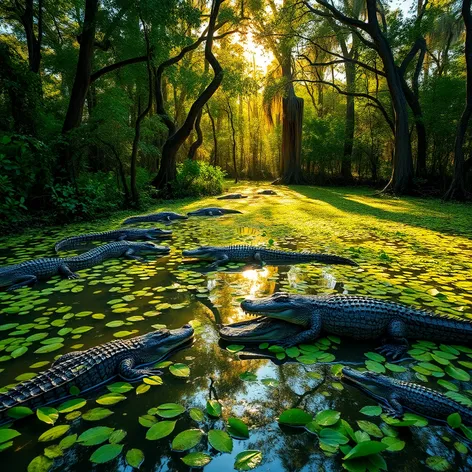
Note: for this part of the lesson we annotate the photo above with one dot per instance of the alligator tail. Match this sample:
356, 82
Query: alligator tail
332, 259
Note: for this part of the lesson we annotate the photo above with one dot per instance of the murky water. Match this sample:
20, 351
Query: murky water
172, 292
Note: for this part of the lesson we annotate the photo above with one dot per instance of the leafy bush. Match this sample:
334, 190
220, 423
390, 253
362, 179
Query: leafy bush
20, 173
197, 179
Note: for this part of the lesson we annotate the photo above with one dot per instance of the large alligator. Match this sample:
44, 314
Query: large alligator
356, 317
212, 211
89, 369
398, 396
129, 234
232, 196
161, 217
260, 255
28, 273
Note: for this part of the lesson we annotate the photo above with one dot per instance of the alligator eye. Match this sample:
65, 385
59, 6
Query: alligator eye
280, 296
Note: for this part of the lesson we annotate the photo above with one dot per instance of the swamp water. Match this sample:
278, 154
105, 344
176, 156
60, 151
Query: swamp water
120, 298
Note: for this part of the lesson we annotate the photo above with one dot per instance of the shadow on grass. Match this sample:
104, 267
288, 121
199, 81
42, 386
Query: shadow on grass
433, 214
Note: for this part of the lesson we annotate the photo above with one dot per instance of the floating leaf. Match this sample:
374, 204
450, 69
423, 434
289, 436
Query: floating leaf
117, 436
94, 436
438, 463
295, 417
40, 464
370, 428
248, 376
327, 417
49, 348
8, 434
213, 408
106, 453
394, 444
220, 440
160, 430
147, 420
47, 415
247, 460
457, 373
97, 414
196, 414
153, 380
18, 412
134, 458
365, 448
110, 399
333, 437
235, 348
187, 439
71, 405
120, 387
143, 388
371, 410
68, 441
170, 410
54, 433
237, 428
180, 370
454, 420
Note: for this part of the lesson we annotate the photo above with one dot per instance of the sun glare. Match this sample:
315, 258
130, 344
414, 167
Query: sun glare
255, 53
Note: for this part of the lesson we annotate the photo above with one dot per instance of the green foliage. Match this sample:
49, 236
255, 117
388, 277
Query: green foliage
197, 178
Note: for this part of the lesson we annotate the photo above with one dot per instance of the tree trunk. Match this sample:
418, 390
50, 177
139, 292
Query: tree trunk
346, 164
84, 68
233, 135
214, 161
33, 43
168, 170
401, 180
457, 189
199, 141
292, 121
139, 120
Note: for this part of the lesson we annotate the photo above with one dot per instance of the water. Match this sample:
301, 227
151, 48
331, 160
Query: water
172, 292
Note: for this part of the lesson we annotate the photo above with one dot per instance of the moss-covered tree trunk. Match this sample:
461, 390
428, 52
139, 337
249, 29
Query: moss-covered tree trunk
292, 122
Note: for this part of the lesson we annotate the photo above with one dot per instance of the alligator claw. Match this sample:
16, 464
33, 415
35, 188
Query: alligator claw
73, 276
394, 351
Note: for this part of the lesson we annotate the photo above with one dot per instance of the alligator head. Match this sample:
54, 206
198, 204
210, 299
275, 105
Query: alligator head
282, 316
203, 252
157, 233
152, 347
376, 385
148, 247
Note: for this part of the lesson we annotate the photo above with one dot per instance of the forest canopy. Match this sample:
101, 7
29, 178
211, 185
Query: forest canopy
107, 105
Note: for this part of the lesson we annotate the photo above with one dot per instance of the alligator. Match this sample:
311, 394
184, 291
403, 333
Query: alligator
357, 317
260, 255
28, 273
129, 234
232, 196
212, 211
267, 192
161, 217
397, 396
86, 370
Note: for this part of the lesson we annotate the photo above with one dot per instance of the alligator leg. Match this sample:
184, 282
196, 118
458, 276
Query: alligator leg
23, 281
130, 255
122, 237
394, 408
309, 334
66, 357
129, 373
66, 272
224, 259
396, 330
258, 258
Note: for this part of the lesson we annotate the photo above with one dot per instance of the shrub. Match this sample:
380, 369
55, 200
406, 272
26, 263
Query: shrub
197, 179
